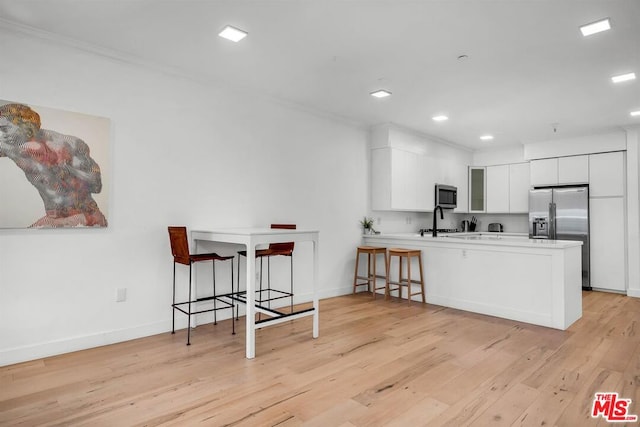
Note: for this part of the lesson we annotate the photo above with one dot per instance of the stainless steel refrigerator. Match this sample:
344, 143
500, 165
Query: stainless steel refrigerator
562, 213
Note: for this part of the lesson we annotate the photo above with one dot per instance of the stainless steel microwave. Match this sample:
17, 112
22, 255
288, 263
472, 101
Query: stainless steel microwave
446, 196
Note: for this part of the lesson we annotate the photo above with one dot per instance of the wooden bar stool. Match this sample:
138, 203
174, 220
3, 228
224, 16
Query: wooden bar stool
370, 279
403, 254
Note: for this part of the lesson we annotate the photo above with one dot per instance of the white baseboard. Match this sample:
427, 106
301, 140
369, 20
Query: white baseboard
68, 345
633, 293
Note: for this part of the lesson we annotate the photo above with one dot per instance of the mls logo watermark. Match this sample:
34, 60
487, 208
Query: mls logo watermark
612, 408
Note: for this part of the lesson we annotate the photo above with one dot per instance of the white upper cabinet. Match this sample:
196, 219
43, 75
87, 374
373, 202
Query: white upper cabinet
497, 189
606, 174
544, 172
428, 175
560, 171
406, 167
477, 189
381, 179
519, 187
394, 181
573, 170
460, 180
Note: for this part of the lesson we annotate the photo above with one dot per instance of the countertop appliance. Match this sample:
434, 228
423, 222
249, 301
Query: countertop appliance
446, 196
495, 227
562, 213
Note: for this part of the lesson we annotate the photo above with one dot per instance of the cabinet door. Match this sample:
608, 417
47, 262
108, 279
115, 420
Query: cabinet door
544, 172
404, 166
606, 174
519, 187
497, 189
606, 224
573, 170
429, 173
381, 179
477, 189
461, 181
425, 188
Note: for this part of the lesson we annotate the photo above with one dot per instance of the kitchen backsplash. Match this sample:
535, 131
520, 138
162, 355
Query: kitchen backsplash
405, 222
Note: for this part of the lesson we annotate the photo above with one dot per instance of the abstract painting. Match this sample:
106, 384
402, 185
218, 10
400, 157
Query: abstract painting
53, 167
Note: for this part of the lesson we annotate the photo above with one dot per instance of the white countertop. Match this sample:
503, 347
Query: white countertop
479, 238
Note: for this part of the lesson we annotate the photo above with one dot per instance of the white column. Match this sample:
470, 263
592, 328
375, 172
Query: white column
633, 211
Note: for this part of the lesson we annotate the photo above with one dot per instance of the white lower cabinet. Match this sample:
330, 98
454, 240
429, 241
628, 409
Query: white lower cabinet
607, 246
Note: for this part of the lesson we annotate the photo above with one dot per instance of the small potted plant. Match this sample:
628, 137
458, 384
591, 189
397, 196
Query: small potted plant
367, 225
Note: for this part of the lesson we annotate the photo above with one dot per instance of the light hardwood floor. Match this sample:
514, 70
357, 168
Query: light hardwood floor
376, 363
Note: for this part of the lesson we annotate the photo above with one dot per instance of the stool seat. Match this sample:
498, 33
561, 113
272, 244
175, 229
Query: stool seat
408, 282
370, 280
404, 252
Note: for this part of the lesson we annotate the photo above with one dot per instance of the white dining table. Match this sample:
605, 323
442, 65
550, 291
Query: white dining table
251, 238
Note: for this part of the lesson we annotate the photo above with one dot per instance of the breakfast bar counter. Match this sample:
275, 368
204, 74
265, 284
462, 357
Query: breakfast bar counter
508, 276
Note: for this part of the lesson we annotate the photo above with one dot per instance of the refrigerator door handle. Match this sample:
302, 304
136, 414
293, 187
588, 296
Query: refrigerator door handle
552, 221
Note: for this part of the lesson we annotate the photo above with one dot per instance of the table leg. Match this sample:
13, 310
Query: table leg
251, 301
316, 305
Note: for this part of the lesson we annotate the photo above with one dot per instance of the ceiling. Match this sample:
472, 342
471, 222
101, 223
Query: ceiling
528, 66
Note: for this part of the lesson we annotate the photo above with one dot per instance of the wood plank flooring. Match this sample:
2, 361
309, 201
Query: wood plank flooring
376, 363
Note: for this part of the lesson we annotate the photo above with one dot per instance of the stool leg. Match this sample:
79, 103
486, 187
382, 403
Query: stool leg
173, 306
421, 279
233, 301
409, 279
373, 276
268, 281
355, 274
189, 311
369, 272
215, 317
400, 277
291, 283
387, 262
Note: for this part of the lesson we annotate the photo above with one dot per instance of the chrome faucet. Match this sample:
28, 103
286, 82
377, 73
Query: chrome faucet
435, 220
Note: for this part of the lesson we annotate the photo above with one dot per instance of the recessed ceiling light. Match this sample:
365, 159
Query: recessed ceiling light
232, 33
595, 27
440, 118
623, 77
380, 93
486, 137
635, 113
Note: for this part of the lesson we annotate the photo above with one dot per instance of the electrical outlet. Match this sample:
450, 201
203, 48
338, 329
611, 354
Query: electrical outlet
121, 294
379, 220
464, 253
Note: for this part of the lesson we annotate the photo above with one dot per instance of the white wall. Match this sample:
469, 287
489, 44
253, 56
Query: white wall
182, 153
499, 156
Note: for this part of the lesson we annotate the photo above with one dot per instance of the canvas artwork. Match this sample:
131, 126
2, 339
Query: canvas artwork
53, 167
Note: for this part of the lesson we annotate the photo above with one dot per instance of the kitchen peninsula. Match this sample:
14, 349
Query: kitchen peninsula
499, 274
